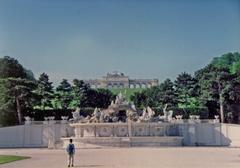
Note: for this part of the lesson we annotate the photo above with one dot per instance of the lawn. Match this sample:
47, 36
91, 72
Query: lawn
8, 159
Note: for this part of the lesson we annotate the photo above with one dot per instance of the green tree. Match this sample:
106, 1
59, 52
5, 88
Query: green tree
17, 95
104, 98
186, 90
215, 84
63, 94
10, 67
167, 93
16, 84
226, 61
45, 91
8, 115
78, 93
139, 99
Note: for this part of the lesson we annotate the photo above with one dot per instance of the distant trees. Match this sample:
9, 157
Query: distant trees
215, 87
156, 96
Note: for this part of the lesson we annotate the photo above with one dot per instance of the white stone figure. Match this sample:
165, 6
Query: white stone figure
133, 107
64, 119
97, 113
45, 120
179, 117
51, 120
167, 114
119, 98
76, 116
27, 120
96, 116
147, 114
151, 113
101, 118
169, 117
144, 114
216, 120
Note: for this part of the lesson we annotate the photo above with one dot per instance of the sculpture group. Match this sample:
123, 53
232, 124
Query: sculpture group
121, 110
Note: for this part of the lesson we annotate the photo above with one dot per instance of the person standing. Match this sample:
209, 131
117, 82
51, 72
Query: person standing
71, 151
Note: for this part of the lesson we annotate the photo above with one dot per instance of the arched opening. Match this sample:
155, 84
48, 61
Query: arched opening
143, 85
137, 85
110, 85
115, 85
121, 85
131, 86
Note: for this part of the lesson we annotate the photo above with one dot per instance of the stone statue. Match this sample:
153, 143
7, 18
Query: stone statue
102, 117
77, 117
95, 116
133, 107
120, 99
147, 115
167, 114
151, 113
76, 114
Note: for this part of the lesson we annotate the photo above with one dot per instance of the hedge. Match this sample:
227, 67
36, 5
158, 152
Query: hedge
39, 115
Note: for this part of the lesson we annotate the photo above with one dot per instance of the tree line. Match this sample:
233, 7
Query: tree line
21, 93
214, 88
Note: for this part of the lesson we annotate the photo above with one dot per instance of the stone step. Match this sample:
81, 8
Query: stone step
101, 142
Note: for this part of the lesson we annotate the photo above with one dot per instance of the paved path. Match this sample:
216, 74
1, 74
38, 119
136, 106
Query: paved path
185, 157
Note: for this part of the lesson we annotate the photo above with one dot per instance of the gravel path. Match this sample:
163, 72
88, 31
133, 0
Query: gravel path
181, 157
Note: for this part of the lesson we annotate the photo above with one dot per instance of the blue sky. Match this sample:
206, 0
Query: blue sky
143, 38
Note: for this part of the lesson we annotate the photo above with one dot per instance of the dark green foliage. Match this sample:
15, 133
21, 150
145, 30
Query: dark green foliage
167, 93
63, 96
44, 91
16, 96
186, 90
39, 114
139, 99
226, 60
103, 98
213, 90
219, 84
8, 114
16, 86
10, 67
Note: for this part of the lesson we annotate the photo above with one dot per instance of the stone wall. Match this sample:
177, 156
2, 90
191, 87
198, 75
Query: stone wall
194, 134
34, 135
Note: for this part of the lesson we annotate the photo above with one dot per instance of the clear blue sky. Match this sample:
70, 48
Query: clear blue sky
143, 38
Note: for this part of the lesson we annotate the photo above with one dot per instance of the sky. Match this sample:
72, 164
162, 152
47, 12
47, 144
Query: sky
85, 39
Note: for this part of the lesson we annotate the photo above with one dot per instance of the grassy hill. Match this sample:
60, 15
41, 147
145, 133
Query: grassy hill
127, 92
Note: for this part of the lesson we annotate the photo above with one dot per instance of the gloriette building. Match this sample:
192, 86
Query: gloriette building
119, 80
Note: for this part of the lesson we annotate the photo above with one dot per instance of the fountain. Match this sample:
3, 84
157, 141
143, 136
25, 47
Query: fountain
121, 125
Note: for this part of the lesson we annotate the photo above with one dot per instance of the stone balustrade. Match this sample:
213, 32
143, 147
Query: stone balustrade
130, 129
